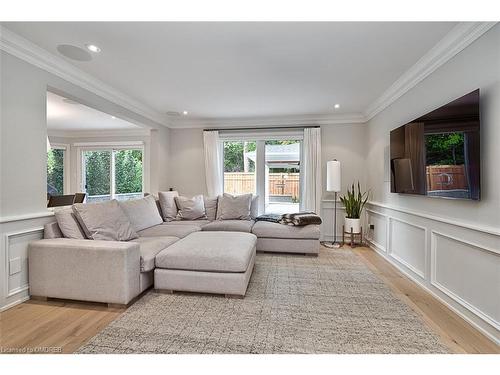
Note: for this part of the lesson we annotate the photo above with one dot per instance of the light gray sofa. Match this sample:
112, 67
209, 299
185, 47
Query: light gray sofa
116, 272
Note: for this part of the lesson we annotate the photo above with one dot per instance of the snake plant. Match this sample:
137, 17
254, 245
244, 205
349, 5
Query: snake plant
354, 202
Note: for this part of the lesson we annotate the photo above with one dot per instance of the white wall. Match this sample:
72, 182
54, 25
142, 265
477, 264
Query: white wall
23, 131
451, 247
187, 161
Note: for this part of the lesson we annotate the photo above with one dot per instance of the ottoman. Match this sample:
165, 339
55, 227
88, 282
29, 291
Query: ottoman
207, 262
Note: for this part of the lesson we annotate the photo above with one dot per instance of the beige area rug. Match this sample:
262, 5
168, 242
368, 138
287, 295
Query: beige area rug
294, 304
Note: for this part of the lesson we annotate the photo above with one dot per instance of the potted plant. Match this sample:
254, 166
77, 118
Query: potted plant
353, 203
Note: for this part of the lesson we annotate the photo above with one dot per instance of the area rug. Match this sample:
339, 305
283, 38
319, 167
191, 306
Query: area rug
294, 304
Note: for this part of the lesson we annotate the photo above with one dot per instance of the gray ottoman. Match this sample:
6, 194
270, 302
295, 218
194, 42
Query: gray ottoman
207, 262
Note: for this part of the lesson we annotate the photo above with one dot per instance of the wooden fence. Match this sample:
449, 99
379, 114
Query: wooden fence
446, 177
280, 184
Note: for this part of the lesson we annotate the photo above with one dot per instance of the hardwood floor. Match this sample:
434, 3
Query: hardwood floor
52, 326
63, 326
458, 334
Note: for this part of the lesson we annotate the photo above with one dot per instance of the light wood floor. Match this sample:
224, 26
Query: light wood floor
63, 326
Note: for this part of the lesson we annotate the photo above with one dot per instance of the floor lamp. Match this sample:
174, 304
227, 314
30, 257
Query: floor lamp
333, 183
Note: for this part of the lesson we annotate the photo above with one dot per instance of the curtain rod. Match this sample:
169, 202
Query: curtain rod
263, 128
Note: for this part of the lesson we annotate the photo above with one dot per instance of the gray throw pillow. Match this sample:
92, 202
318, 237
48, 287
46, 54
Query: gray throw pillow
234, 207
211, 207
190, 208
142, 213
167, 204
104, 221
254, 207
70, 228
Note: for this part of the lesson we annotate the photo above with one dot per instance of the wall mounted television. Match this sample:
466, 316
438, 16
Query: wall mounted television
438, 154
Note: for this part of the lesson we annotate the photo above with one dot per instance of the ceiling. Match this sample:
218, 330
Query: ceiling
239, 70
75, 117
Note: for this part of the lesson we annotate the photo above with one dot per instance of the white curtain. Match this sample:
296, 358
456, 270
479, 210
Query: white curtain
213, 163
311, 171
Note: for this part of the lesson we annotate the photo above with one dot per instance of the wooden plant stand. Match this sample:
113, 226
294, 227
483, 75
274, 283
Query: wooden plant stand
353, 243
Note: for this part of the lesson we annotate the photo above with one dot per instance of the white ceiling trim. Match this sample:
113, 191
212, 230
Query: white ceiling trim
299, 120
22, 48
99, 133
459, 38
455, 41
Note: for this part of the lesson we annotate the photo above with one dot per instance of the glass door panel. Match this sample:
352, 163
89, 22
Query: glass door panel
128, 174
282, 175
239, 167
97, 175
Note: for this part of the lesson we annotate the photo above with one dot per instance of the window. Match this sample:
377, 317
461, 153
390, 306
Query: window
115, 173
56, 173
277, 179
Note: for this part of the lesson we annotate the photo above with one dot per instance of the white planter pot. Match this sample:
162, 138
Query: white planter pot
355, 224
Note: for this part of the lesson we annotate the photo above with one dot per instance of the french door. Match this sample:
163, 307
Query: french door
269, 168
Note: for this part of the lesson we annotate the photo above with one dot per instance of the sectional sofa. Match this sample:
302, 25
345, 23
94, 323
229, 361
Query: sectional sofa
209, 255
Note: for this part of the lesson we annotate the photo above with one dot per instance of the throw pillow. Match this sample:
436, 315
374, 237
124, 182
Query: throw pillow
190, 208
70, 228
142, 213
167, 204
254, 207
211, 207
234, 207
104, 221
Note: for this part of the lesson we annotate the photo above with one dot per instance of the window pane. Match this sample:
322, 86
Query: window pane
55, 172
282, 176
239, 167
97, 169
128, 174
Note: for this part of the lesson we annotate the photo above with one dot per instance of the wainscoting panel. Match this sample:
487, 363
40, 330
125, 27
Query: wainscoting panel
462, 270
16, 244
456, 262
407, 245
378, 235
16, 235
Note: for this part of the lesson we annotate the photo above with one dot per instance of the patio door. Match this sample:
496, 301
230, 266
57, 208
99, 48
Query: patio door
267, 167
112, 173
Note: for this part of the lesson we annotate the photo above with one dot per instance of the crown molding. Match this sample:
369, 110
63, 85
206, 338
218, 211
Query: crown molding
23, 49
241, 122
99, 133
459, 38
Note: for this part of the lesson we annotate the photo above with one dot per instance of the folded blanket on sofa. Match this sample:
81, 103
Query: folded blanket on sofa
272, 218
300, 219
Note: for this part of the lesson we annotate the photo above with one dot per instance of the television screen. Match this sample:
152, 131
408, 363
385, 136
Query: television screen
438, 154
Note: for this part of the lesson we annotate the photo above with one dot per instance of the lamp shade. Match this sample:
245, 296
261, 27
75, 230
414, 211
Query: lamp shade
333, 176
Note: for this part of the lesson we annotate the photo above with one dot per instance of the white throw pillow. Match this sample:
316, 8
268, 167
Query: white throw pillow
104, 221
190, 208
167, 204
142, 213
234, 207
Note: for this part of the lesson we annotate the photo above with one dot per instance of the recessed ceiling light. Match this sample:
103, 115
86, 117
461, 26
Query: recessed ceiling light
336, 106
74, 52
93, 48
184, 112
113, 117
